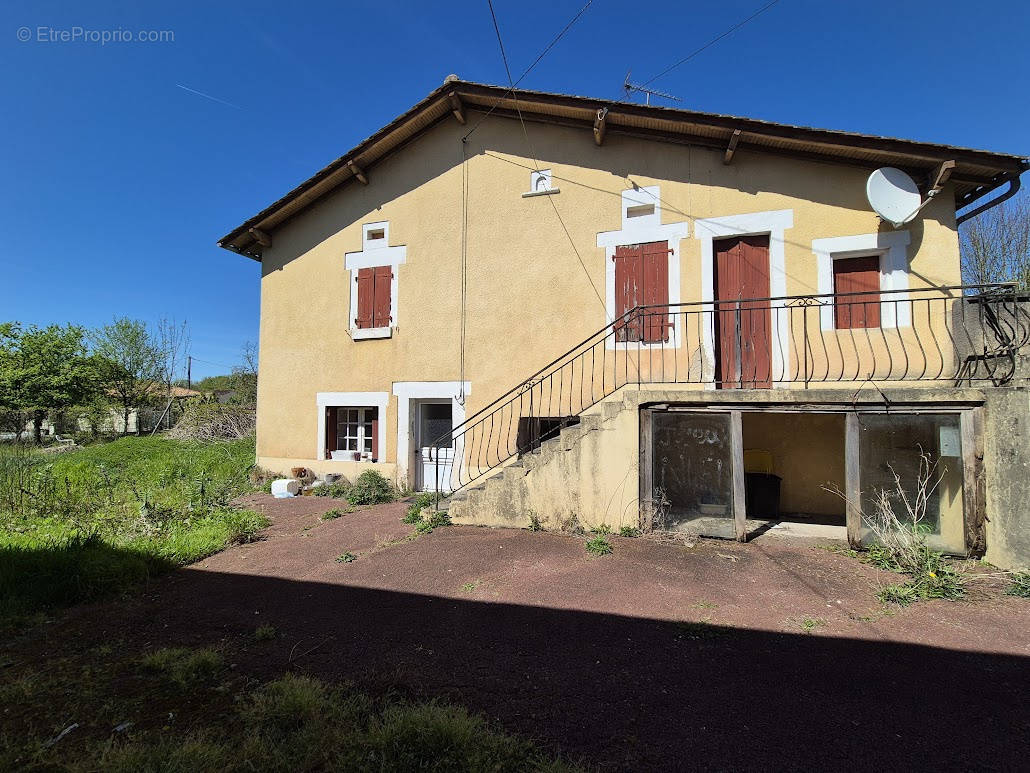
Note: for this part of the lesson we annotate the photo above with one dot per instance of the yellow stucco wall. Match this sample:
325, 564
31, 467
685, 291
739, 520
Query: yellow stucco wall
530, 296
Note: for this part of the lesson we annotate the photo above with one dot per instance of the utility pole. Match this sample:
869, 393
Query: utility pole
189, 371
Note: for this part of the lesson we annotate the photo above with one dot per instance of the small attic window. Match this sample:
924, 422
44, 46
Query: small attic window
640, 210
376, 233
540, 183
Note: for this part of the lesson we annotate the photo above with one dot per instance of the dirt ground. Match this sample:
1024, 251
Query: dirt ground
718, 656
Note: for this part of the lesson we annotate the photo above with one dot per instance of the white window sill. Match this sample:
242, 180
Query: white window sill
360, 334
550, 192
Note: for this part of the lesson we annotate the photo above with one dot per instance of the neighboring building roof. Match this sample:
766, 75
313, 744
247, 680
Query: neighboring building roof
976, 172
158, 390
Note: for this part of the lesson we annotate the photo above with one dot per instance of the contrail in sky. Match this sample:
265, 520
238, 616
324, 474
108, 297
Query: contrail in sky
208, 96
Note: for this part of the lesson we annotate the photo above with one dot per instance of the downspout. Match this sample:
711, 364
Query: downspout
1014, 185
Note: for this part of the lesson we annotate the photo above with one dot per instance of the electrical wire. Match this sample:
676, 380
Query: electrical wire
711, 42
536, 163
526, 72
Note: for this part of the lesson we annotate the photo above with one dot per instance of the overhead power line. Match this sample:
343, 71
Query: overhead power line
711, 42
529, 69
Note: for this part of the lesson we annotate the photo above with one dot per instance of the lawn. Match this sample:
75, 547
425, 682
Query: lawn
96, 521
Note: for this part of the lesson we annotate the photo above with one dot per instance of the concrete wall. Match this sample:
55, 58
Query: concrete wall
1007, 470
530, 297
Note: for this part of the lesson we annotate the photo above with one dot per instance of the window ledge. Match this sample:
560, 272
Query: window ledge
550, 192
360, 334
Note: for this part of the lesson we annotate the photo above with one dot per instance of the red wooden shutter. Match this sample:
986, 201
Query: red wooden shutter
375, 433
365, 297
857, 275
330, 432
656, 290
381, 297
628, 295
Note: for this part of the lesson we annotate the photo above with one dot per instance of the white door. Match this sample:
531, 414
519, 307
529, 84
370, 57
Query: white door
432, 421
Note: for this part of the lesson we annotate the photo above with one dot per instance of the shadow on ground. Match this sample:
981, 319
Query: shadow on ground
613, 690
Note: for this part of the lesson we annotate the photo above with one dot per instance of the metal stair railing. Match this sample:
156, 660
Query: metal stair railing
954, 334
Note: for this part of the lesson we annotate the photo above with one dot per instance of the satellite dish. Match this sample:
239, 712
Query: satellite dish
893, 195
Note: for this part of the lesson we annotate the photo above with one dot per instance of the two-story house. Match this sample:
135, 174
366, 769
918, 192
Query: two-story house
566, 307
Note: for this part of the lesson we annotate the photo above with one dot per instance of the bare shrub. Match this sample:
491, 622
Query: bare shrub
215, 421
654, 512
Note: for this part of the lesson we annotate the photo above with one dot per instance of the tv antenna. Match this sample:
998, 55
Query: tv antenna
629, 88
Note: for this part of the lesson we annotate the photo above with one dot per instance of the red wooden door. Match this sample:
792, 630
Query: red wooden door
742, 274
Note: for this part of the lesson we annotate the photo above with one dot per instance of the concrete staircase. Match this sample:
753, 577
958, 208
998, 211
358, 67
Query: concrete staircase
588, 471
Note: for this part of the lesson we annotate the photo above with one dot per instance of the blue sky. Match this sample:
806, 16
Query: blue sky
117, 182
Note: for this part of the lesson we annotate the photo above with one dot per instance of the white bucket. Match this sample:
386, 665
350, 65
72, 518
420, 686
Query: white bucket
285, 487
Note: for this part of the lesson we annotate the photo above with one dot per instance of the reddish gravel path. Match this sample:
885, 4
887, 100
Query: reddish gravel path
656, 657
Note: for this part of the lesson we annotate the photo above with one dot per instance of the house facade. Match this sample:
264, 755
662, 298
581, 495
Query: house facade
633, 315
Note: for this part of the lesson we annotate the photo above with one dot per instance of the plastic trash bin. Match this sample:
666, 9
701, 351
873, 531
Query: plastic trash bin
762, 495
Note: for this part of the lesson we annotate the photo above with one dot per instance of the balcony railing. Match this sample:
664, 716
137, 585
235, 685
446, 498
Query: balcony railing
949, 336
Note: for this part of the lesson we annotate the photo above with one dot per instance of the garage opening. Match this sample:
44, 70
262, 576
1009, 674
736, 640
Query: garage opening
738, 472
793, 465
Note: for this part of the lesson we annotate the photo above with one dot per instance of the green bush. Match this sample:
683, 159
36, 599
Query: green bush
331, 515
371, 488
599, 546
338, 490
629, 531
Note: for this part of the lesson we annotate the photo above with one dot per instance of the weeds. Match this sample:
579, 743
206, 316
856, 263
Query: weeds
331, 515
300, 723
1020, 585
901, 541
265, 633
598, 546
534, 522
371, 488
629, 531
601, 530
346, 558
422, 502
336, 490
470, 586
809, 624
183, 666
432, 521
93, 522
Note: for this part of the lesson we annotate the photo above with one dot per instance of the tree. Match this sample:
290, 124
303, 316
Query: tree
173, 341
44, 371
995, 246
244, 376
130, 363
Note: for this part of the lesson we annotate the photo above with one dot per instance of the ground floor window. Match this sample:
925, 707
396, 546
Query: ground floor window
352, 433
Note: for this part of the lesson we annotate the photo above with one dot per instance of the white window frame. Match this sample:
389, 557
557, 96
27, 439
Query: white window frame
891, 247
361, 439
378, 400
641, 230
373, 254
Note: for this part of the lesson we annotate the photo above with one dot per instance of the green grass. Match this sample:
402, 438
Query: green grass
598, 546
601, 530
299, 723
331, 515
183, 666
1020, 585
629, 531
265, 633
809, 624
93, 522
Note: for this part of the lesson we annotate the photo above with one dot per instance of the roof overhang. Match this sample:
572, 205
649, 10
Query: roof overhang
975, 173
